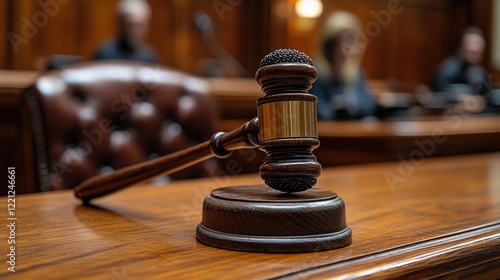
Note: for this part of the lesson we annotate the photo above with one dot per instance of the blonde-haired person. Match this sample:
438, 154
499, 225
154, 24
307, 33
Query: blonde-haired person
341, 85
133, 21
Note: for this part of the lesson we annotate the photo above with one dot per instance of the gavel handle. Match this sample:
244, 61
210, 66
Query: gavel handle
220, 145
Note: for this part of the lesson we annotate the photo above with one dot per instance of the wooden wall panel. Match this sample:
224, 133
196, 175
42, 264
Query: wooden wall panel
21, 56
238, 29
80, 26
227, 28
408, 49
161, 30
481, 13
420, 42
97, 22
60, 35
3, 33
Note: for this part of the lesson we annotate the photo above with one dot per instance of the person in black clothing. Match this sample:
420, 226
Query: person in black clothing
133, 19
462, 73
341, 86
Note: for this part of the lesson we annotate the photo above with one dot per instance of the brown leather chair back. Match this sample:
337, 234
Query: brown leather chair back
98, 116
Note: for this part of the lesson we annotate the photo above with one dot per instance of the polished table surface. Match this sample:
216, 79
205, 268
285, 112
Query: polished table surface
442, 216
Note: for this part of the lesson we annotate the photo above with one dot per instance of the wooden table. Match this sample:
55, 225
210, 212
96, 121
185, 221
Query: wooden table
442, 218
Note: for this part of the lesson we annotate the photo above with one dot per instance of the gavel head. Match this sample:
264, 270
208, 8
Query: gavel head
287, 121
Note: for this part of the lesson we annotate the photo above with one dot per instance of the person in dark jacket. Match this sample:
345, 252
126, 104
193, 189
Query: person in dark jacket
133, 20
462, 72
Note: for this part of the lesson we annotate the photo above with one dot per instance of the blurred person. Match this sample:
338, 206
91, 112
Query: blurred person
341, 86
133, 21
462, 72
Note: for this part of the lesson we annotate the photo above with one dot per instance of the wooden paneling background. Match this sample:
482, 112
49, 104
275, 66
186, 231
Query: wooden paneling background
3, 34
408, 49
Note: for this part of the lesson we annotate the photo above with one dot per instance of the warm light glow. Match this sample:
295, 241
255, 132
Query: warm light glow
309, 8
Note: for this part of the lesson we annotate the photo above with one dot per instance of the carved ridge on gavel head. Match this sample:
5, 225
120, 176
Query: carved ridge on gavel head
285, 129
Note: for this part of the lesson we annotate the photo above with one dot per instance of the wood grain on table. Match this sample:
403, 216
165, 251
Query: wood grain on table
441, 218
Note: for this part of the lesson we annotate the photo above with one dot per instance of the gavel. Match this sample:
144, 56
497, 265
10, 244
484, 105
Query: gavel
290, 216
285, 129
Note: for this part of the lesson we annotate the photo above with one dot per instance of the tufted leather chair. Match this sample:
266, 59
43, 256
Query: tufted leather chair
99, 116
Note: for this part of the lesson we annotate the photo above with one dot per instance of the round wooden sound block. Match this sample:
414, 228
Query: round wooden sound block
260, 219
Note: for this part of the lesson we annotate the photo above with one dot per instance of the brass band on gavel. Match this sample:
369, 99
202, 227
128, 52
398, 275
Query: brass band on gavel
287, 118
